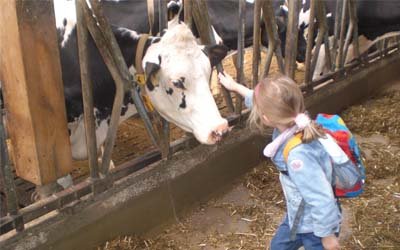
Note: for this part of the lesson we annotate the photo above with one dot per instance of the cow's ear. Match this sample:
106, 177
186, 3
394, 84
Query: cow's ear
215, 53
150, 70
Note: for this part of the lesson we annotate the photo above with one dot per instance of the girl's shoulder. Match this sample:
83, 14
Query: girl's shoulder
311, 149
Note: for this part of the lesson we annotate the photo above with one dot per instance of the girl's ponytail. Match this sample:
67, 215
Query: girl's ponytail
311, 130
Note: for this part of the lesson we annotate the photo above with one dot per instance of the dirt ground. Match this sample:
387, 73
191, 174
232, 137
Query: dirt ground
247, 214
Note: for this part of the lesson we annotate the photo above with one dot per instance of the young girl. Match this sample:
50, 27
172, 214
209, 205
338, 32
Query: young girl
313, 216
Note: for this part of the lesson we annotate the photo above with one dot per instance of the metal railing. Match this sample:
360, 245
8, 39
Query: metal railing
91, 21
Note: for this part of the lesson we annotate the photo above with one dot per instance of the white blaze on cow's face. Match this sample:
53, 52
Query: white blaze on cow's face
178, 73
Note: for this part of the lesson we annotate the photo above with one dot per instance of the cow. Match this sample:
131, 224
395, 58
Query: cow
177, 72
224, 18
375, 18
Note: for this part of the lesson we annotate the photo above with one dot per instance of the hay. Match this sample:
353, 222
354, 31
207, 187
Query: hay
376, 213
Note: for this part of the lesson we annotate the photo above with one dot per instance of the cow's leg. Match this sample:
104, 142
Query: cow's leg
100, 158
43, 191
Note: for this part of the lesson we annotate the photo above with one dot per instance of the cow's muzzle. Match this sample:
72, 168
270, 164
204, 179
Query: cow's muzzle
219, 133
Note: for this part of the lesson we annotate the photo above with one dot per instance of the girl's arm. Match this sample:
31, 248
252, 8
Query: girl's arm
230, 84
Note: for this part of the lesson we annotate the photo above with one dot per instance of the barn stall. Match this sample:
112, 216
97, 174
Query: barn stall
161, 190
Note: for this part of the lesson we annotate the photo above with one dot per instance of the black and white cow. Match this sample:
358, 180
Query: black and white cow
375, 18
224, 17
178, 72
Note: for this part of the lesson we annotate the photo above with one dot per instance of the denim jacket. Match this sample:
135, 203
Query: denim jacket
309, 177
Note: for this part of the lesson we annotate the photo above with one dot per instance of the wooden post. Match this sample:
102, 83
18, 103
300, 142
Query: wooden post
292, 38
33, 91
87, 90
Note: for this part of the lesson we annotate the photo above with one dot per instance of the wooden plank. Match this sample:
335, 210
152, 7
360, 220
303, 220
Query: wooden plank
33, 90
292, 37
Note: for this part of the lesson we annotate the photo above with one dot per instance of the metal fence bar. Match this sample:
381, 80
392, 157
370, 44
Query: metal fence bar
105, 41
8, 180
81, 189
352, 66
310, 38
256, 42
87, 90
340, 60
354, 20
292, 38
322, 20
274, 44
203, 24
347, 42
240, 57
162, 15
336, 32
322, 29
187, 12
165, 127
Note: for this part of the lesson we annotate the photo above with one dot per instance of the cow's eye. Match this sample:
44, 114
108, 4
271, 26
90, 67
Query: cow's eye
179, 83
169, 91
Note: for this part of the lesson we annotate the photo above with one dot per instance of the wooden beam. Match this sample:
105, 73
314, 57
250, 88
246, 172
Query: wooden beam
292, 34
33, 91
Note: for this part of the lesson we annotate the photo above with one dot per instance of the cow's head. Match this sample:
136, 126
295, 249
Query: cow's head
178, 72
281, 14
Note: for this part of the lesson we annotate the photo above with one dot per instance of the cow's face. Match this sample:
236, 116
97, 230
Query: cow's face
178, 73
282, 17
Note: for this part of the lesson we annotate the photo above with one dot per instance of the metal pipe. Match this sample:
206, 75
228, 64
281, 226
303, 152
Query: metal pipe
122, 72
203, 24
292, 35
87, 90
347, 43
187, 12
322, 36
322, 20
166, 152
240, 57
354, 20
273, 39
8, 179
339, 65
165, 131
256, 42
336, 32
310, 41
162, 15
105, 41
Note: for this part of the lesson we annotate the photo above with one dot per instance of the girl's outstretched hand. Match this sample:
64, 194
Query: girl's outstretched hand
227, 81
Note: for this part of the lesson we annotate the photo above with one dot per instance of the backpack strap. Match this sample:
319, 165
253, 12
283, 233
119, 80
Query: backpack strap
296, 221
293, 142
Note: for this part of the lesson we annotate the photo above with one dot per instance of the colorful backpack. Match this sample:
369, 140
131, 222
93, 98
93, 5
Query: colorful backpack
349, 178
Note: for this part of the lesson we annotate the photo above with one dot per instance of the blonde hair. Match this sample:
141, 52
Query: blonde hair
280, 99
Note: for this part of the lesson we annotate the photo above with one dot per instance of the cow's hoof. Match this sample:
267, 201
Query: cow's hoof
45, 191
